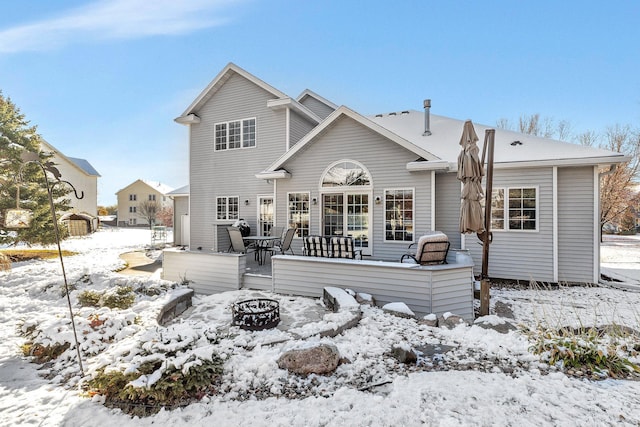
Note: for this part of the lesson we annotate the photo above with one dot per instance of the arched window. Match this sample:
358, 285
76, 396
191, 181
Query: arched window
344, 174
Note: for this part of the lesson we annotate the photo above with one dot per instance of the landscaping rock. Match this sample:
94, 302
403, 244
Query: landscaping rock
366, 299
496, 323
337, 299
404, 354
320, 360
431, 350
179, 302
429, 320
450, 321
503, 310
399, 309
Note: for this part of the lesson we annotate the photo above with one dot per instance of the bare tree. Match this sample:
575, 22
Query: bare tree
166, 216
618, 196
149, 211
536, 125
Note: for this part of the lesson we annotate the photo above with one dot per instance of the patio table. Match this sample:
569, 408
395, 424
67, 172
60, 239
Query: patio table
261, 244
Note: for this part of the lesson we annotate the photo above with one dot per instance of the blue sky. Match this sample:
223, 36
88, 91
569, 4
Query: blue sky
103, 80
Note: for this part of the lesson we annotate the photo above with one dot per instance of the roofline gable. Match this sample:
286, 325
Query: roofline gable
312, 94
347, 112
54, 150
147, 183
219, 80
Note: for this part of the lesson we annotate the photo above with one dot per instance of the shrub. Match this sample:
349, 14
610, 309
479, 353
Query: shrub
42, 353
175, 388
121, 297
583, 350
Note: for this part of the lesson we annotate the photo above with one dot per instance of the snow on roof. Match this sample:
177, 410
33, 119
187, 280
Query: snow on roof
182, 191
84, 165
510, 147
158, 186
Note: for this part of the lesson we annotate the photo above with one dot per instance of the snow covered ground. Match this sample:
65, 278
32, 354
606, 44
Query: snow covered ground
481, 377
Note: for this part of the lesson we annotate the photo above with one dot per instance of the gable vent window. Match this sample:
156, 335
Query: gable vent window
235, 134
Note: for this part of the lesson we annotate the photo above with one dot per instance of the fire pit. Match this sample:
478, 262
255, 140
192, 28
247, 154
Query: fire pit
256, 314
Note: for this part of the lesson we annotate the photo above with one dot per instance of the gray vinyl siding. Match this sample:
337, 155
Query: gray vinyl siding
207, 273
231, 172
432, 289
522, 255
448, 192
299, 127
321, 109
575, 225
386, 162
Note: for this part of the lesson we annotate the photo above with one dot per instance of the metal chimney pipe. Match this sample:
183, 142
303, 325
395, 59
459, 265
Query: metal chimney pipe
427, 127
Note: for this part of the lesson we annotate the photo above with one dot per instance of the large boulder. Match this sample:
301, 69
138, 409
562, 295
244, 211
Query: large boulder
321, 360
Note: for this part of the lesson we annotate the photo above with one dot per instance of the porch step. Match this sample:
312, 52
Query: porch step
257, 281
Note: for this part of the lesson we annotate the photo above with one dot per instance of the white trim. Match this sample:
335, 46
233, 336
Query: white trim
287, 128
345, 191
335, 189
227, 219
308, 193
312, 94
345, 111
596, 225
555, 223
430, 166
506, 208
384, 215
275, 175
189, 119
433, 201
220, 79
242, 146
289, 103
587, 161
259, 199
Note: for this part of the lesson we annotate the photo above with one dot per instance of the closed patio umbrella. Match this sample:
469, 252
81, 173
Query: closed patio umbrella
470, 173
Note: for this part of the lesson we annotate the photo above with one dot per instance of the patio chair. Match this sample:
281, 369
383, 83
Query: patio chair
342, 247
285, 246
316, 246
431, 249
237, 242
277, 231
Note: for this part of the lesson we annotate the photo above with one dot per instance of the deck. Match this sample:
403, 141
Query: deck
425, 289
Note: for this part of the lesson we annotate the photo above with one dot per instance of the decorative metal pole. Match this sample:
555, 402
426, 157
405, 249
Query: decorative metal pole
30, 157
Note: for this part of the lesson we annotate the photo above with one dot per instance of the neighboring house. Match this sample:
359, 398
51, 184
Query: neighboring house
132, 196
83, 176
180, 215
257, 154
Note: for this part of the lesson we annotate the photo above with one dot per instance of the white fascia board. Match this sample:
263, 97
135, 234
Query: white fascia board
342, 110
433, 165
187, 120
277, 104
588, 161
222, 77
279, 174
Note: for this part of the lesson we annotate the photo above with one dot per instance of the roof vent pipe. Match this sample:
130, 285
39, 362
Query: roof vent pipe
427, 127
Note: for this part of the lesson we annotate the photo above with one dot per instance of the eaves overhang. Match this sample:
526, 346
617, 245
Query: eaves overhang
187, 120
431, 165
278, 174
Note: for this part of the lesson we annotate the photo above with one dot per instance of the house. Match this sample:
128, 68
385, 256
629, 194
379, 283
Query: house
180, 198
386, 179
132, 197
83, 176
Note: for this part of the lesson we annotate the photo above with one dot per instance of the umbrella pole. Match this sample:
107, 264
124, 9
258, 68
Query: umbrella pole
484, 283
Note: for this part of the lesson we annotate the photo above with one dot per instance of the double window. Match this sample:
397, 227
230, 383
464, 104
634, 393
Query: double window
227, 207
514, 209
298, 213
152, 197
235, 134
398, 215
133, 197
132, 209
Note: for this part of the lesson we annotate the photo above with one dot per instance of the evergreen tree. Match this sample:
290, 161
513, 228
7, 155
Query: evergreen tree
26, 179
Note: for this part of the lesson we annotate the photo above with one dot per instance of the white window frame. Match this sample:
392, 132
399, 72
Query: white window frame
247, 134
152, 197
132, 221
133, 197
413, 215
133, 209
290, 222
506, 227
227, 216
